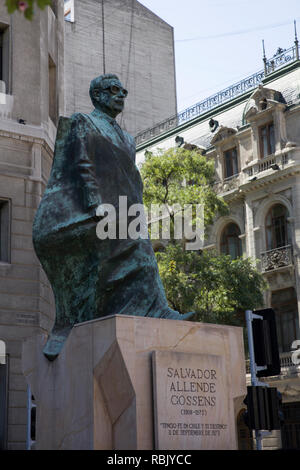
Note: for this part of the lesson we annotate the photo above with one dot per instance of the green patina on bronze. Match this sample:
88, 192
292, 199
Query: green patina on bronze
94, 163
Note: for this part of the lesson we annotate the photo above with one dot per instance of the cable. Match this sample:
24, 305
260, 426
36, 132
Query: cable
129, 54
235, 33
103, 37
130, 42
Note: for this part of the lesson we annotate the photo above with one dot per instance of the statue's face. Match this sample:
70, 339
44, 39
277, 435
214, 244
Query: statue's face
110, 98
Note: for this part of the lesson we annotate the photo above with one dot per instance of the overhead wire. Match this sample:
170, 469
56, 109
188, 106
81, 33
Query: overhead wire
236, 33
103, 37
129, 52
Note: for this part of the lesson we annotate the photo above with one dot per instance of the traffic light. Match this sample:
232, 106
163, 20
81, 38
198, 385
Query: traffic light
263, 408
265, 343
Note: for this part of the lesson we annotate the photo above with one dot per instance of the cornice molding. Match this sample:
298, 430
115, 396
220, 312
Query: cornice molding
26, 133
252, 186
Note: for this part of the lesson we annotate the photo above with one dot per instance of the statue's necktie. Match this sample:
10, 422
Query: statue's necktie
118, 129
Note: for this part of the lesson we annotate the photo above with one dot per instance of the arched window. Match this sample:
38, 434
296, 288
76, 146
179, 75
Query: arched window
230, 241
277, 227
245, 440
266, 140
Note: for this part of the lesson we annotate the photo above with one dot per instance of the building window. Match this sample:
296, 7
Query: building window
277, 227
2, 352
284, 304
1, 55
230, 242
4, 58
4, 232
230, 163
266, 140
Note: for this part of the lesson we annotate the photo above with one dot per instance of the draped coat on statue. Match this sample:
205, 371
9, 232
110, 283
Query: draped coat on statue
94, 163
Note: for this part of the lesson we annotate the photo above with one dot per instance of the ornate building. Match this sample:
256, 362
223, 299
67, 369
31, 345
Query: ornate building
252, 132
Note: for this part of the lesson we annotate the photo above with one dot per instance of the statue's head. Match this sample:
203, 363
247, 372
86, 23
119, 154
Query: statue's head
108, 94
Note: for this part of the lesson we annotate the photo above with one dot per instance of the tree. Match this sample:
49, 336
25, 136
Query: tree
25, 7
215, 286
180, 176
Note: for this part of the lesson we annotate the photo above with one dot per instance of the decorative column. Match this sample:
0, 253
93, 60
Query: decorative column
36, 161
295, 232
250, 239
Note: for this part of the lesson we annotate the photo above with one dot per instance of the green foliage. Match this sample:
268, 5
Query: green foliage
218, 288
26, 7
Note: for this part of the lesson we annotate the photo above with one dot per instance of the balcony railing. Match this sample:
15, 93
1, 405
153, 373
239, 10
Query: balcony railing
278, 61
286, 363
277, 258
228, 184
266, 163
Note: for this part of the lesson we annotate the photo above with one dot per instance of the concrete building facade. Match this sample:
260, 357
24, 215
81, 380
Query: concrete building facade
254, 139
45, 69
32, 97
125, 38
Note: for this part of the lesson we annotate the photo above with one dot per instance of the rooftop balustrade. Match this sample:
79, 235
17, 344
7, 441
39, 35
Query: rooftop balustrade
280, 59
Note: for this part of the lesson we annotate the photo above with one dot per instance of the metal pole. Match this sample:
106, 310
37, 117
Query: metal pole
251, 347
253, 369
264, 58
296, 41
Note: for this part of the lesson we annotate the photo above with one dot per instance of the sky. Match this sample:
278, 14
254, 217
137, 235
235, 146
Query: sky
219, 42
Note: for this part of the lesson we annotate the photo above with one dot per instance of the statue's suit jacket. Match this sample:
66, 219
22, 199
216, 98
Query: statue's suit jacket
94, 163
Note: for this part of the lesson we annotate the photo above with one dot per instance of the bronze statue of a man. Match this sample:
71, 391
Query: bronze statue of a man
94, 164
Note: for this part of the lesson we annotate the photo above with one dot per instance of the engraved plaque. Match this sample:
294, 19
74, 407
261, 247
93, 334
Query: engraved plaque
192, 409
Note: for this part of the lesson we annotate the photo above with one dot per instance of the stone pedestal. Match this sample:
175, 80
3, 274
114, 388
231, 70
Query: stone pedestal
125, 382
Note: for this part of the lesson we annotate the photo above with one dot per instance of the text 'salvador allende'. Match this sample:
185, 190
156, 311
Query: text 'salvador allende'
192, 387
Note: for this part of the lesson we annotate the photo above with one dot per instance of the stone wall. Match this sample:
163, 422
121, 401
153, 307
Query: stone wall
26, 151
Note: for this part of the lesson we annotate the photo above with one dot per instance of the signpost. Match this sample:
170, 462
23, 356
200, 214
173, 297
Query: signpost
262, 401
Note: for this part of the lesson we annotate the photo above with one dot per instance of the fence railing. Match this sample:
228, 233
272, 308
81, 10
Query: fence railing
285, 362
281, 58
